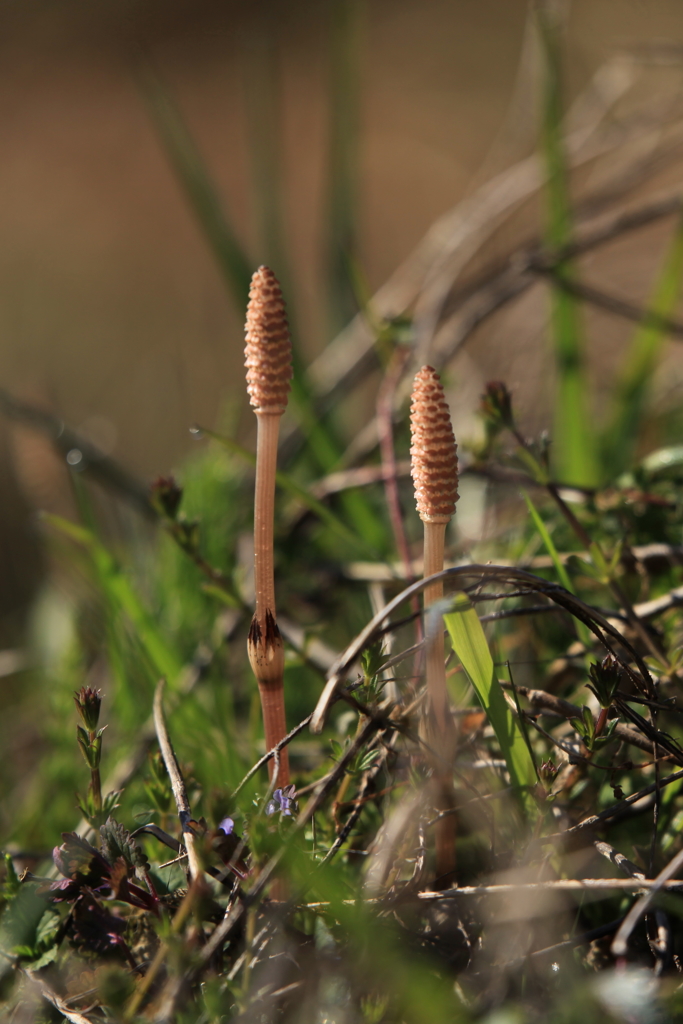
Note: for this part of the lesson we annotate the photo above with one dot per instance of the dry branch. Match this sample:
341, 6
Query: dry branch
177, 783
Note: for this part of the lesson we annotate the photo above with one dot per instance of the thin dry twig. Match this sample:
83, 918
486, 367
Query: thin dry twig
271, 753
611, 812
561, 885
617, 858
662, 881
73, 1016
177, 782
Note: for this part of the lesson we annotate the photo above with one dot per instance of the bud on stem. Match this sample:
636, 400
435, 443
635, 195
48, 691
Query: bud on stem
88, 702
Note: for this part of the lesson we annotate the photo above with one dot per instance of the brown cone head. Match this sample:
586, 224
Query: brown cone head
268, 352
433, 453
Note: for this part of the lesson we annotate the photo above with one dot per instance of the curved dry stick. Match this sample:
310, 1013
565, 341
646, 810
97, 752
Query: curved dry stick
598, 625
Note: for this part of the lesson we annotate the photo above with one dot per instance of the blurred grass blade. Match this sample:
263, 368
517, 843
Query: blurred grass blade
204, 200
574, 450
550, 547
203, 197
344, 82
285, 481
127, 699
264, 123
201, 193
472, 650
119, 592
641, 361
563, 576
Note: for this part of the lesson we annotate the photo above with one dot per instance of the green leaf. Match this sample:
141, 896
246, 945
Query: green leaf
117, 842
472, 649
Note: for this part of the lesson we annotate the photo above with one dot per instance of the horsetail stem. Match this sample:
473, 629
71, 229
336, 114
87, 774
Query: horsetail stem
268, 358
434, 468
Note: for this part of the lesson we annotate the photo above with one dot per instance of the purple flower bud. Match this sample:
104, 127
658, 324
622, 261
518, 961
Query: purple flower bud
88, 702
227, 825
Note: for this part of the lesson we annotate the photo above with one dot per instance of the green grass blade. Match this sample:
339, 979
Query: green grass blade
118, 590
285, 481
641, 361
563, 576
344, 42
472, 650
574, 451
205, 202
200, 191
262, 91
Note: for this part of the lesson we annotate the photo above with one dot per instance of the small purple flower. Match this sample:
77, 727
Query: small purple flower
284, 801
227, 825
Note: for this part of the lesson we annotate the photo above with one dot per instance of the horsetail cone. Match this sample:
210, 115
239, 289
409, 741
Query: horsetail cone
268, 358
434, 468
433, 453
268, 352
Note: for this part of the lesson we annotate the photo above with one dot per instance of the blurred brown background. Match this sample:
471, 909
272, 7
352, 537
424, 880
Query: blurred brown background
112, 310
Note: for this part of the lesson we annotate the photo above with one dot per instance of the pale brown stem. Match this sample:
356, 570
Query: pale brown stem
446, 828
434, 535
275, 727
266, 650
264, 505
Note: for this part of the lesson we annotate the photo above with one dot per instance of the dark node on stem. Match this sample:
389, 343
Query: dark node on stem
266, 650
